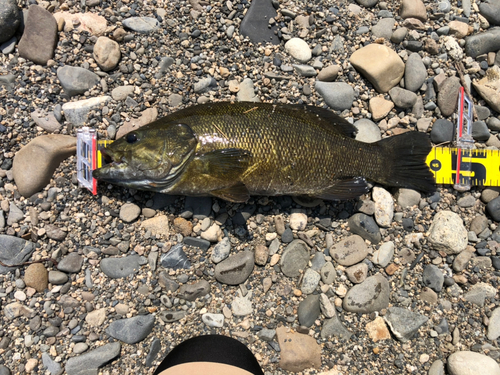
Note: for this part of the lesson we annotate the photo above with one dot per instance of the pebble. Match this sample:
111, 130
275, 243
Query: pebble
235, 269
328, 273
261, 255
106, 53
407, 197
35, 163
242, 306
39, 37
132, 330
488, 87
377, 330
433, 278
298, 221
77, 112
447, 233
384, 206
357, 273
309, 310
158, 226
144, 25
13, 251
213, 320
10, 19
404, 323
415, 72
52, 366
328, 73
298, 351
191, 292
349, 251
366, 227
368, 131
93, 359
76, 80
379, 108
71, 263
442, 131
403, 98
337, 95
310, 281
294, 258
175, 258
384, 72
36, 277
298, 49
471, 363
46, 121
383, 28
129, 212
117, 268
448, 96
255, 24
493, 207
333, 327
383, 256
478, 293
490, 10
96, 318
371, 295
121, 92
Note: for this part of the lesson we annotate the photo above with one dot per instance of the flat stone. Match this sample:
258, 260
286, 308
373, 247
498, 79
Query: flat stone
191, 292
328, 273
478, 293
294, 258
76, 80
172, 316
357, 273
77, 112
366, 227
49, 364
407, 197
158, 226
337, 95
369, 296
333, 327
326, 306
448, 96
121, 92
96, 318
349, 251
246, 92
175, 258
14, 251
235, 269
242, 306
380, 107
132, 330
310, 281
34, 164
385, 72
16, 309
413, 9
489, 87
90, 22
154, 349
328, 73
46, 121
129, 212
490, 10
383, 28
39, 37
433, 277
472, 363
36, 277
71, 263
384, 206
494, 325
442, 131
447, 233
383, 256
143, 25
118, 268
57, 277
377, 330
106, 53
482, 43
92, 360
404, 323
368, 131
298, 351
255, 24
213, 320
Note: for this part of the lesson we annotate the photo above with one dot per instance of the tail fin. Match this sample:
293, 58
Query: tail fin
406, 154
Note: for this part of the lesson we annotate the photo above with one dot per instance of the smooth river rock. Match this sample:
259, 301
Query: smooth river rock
369, 296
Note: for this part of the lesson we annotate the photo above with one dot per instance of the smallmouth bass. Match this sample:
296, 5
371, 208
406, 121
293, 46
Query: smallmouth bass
234, 150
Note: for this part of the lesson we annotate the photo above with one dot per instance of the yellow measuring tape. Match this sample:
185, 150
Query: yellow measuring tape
481, 166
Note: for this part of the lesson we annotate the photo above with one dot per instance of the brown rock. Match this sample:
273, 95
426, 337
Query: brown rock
391, 269
413, 9
384, 72
377, 330
37, 277
119, 34
183, 226
157, 225
431, 46
379, 107
35, 163
106, 53
149, 115
261, 255
448, 96
458, 29
329, 73
40, 36
298, 351
90, 22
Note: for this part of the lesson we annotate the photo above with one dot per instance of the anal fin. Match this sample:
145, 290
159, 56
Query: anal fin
237, 193
345, 189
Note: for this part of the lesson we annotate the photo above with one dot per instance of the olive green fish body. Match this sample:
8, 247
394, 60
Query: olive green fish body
233, 150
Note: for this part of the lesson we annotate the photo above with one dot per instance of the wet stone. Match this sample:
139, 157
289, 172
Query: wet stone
294, 258
404, 323
191, 292
235, 269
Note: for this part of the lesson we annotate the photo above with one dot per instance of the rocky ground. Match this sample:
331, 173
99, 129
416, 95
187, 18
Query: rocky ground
393, 283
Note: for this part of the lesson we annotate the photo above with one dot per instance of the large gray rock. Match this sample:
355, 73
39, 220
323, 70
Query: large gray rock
132, 330
369, 296
482, 43
13, 251
337, 95
77, 112
294, 258
404, 323
76, 80
93, 360
490, 9
40, 36
35, 163
10, 19
117, 268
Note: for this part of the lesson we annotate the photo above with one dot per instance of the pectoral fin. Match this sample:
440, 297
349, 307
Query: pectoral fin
237, 193
226, 163
345, 189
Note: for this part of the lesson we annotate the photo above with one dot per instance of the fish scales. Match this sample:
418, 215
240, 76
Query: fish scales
233, 150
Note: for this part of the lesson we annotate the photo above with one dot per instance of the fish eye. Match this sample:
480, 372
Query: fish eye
131, 138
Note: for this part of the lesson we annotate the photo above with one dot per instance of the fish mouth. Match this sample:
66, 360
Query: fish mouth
113, 167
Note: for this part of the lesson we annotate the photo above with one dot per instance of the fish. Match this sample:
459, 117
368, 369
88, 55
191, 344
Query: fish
234, 150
